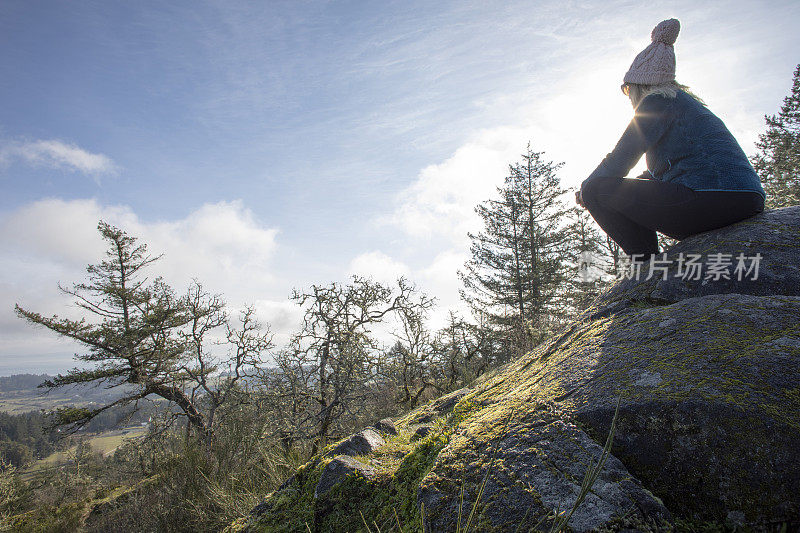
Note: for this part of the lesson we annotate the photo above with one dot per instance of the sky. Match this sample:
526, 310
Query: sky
266, 146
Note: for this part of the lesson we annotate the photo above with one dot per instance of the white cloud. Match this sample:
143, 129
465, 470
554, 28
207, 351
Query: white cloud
283, 318
58, 155
223, 245
441, 201
440, 279
442, 271
378, 266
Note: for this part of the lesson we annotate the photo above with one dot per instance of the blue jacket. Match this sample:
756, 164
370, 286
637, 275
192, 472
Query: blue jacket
684, 143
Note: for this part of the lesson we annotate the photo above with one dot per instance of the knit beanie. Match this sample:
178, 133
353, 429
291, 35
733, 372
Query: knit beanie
656, 64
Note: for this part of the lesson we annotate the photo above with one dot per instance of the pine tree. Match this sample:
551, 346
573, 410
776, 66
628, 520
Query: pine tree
517, 263
778, 162
143, 340
591, 264
493, 280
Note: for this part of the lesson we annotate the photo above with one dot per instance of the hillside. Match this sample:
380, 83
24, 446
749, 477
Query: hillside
707, 375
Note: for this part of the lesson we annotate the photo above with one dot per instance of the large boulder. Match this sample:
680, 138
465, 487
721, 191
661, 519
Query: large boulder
706, 374
536, 465
765, 249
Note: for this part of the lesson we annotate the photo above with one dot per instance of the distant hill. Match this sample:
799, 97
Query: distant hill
20, 393
22, 381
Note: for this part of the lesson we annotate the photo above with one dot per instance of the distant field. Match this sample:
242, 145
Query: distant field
111, 440
104, 443
18, 402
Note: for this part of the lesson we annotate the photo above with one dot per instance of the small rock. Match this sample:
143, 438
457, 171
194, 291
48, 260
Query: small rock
339, 468
361, 443
386, 426
736, 519
439, 407
421, 432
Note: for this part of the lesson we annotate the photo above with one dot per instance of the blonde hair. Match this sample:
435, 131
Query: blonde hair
637, 92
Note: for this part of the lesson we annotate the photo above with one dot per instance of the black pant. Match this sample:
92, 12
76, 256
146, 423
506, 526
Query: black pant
631, 210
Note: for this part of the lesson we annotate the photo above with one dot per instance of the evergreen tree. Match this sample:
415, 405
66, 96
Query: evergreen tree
146, 341
589, 262
778, 160
518, 259
614, 254
493, 281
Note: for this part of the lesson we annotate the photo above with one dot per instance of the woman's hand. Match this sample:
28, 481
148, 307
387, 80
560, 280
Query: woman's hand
579, 199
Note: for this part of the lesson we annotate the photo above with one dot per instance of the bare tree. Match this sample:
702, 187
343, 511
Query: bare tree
325, 378
462, 351
408, 367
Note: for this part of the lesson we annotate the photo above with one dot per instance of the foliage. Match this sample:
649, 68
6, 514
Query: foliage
24, 437
16, 382
189, 489
778, 159
143, 341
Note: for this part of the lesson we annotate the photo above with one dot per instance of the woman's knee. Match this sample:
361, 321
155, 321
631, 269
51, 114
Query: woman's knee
591, 189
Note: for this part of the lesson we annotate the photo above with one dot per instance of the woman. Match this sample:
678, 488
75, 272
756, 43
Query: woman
698, 177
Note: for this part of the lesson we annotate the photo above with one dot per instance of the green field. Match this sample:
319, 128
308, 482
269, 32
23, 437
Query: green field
104, 443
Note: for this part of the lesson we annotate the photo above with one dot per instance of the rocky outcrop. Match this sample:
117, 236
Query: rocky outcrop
707, 375
774, 236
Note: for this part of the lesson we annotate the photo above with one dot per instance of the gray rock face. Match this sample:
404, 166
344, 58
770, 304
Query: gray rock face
361, 443
711, 404
537, 466
336, 470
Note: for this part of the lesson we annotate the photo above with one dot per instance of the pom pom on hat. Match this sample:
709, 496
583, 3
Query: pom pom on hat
666, 31
656, 64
